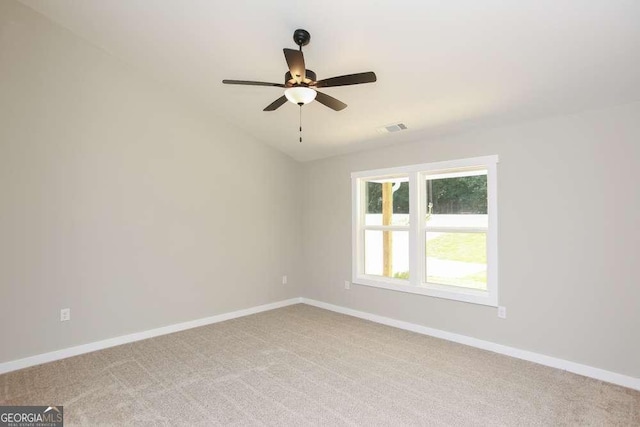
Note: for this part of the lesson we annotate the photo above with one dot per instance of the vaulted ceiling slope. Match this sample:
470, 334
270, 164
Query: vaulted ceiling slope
442, 67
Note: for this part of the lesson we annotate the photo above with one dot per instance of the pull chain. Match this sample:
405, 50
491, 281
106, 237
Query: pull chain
300, 122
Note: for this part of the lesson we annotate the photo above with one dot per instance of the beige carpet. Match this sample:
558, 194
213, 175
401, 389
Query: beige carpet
301, 365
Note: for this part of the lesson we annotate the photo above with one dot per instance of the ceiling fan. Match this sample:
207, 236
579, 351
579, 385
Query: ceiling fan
301, 84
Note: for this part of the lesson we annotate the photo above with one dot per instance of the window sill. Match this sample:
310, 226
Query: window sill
433, 290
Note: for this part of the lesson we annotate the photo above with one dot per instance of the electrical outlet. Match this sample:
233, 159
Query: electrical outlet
347, 284
502, 312
284, 280
65, 314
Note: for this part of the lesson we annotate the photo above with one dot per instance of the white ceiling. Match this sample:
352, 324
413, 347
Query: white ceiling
442, 67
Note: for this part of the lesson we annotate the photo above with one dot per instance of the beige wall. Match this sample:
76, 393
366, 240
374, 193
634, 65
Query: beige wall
135, 211
122, 204
568, 205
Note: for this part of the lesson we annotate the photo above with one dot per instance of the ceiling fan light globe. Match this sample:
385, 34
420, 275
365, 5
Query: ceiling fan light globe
300, 95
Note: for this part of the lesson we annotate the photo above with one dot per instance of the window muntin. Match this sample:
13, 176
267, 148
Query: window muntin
437, 265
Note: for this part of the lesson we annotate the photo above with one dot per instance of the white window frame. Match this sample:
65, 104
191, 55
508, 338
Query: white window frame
417, 209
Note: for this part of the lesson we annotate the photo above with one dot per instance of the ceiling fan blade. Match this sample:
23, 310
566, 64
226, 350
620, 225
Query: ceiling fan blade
276, 104
330, 101
350, 79
295, 61
250, 83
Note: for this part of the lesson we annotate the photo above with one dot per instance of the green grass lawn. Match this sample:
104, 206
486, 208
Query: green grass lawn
462, 247
465, 247
474, 281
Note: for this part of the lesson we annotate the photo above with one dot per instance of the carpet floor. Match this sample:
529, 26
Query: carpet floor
302, 365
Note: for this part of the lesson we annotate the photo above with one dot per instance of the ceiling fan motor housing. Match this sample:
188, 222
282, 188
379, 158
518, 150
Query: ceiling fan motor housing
289, 81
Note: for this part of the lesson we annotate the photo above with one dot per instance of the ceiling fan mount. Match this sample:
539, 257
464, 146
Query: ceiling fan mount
301, 84
301, 37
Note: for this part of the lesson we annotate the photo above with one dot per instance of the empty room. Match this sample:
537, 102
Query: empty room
343, 213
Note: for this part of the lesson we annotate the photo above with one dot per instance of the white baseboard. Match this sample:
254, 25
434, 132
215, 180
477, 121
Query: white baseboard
39, 359
576, 368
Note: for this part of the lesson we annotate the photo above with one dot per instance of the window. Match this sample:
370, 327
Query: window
429, 229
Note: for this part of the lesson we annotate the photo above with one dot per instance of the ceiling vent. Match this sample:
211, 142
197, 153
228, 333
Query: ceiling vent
396, 127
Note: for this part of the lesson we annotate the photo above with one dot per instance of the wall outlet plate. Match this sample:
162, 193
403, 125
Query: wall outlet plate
502, 312
347, 284
284, 280
65, 314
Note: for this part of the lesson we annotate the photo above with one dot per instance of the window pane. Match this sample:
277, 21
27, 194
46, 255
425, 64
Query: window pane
457, 201
387, 201
457, 259
395, 244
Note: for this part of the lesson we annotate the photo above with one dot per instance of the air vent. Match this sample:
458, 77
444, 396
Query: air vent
396, 127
